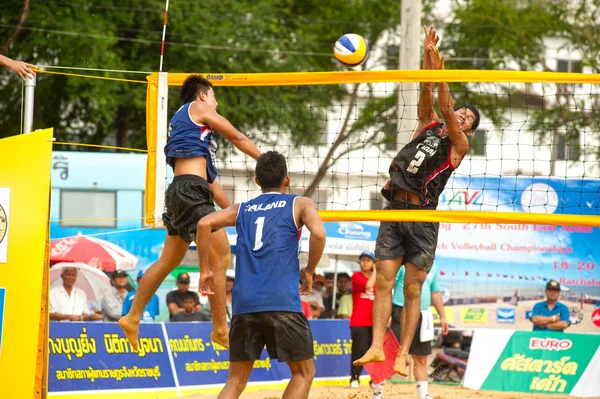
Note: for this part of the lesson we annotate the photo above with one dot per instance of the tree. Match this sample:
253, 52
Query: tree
222, 36
499, 34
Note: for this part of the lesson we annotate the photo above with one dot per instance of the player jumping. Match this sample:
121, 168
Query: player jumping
266, 298
191, 150
418, 175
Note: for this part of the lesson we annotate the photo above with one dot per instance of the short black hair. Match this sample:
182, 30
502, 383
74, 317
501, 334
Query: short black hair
194, 85
270, 170
475, 111
188, 295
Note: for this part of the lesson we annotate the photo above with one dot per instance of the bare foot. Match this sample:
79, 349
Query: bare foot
372, 355
220, 337
131, 330
401, 364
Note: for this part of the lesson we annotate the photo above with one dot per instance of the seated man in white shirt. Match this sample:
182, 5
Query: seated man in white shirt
67, 302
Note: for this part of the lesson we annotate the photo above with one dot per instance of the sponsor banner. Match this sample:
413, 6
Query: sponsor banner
505, 315
596, 317
575, 315
470, 315
534, 362
97, 357
448, 310
198, 360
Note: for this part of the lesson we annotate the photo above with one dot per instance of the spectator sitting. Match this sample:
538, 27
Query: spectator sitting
112, 303
228, 287
315, 298
345, 307
306, 310
550, 314
190, 313
327, 314
175, 297
343, 288
151, 310
95, 312
67, 302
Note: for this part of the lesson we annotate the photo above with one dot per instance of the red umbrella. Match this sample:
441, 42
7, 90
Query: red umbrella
93, 251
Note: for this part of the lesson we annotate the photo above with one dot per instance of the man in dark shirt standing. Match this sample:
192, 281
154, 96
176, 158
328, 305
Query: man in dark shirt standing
175, 297
189, 312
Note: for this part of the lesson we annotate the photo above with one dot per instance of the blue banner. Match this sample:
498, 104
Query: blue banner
198, 361
332, 346
96, 356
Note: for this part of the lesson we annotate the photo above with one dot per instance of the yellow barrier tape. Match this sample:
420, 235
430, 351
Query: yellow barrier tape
447, 75
460, 217
39, 70
99, 146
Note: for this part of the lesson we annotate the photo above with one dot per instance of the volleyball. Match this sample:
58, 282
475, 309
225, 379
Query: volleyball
351, 50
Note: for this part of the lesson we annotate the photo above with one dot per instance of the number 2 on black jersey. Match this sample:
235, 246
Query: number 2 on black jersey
414, 165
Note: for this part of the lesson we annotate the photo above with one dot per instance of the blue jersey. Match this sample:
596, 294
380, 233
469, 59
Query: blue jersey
188, 139
151, 310
267, 271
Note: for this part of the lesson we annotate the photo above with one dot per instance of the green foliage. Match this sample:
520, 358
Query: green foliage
212, 36
502, 34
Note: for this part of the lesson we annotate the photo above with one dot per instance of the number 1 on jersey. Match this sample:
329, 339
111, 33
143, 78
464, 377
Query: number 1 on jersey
260, 223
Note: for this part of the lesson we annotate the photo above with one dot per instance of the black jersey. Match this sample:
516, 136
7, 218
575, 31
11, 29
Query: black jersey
422, 167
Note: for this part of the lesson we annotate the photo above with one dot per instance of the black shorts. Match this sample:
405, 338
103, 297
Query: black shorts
188, 199
415, 241
416, 347
287, 336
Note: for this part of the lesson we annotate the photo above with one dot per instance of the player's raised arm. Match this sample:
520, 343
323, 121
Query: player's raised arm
214, 221
222, 126
446, 104
425, 111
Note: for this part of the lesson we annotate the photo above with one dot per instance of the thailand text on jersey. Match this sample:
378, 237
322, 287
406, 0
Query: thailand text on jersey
267, 267
188, 139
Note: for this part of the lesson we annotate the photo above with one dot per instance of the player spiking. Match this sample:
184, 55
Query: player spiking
418, 175
191, 151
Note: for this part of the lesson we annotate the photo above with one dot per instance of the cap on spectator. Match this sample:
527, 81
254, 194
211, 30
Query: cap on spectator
230, 274
367, 253
140, 274
119, 273
183, 278
317, 278
553, 285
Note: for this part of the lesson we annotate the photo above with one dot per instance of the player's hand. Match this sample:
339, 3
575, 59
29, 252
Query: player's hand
444, 326
431, 37
22, 69
438, 59
305, 282
203, 286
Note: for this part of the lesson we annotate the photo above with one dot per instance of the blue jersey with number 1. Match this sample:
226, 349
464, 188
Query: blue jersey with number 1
267, 271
